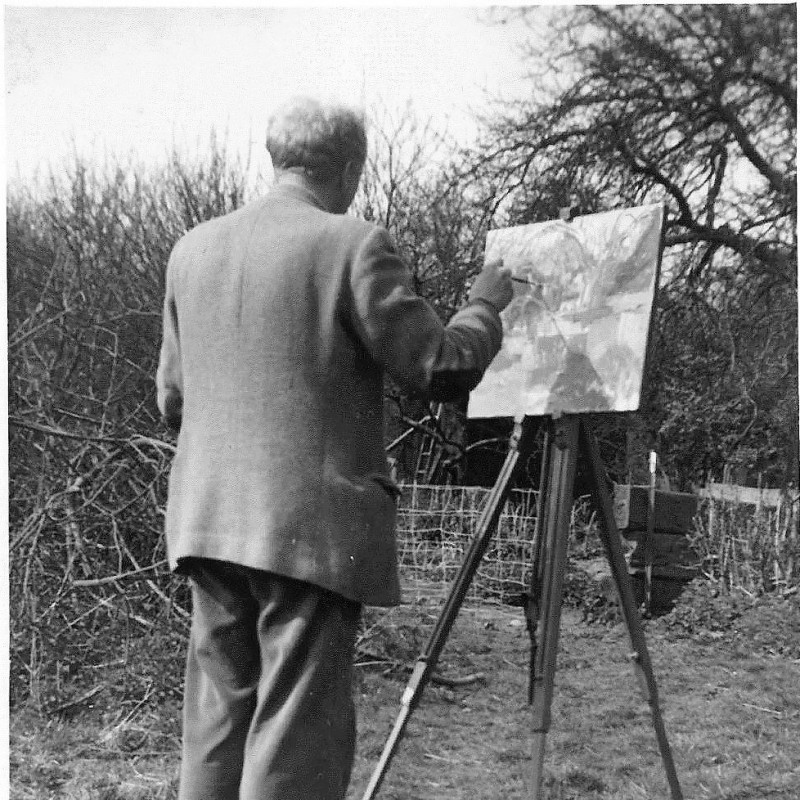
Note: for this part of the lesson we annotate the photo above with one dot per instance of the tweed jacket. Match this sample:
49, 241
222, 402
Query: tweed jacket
280, 321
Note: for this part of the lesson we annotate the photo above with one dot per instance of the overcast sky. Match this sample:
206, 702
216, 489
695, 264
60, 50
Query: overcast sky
120, 80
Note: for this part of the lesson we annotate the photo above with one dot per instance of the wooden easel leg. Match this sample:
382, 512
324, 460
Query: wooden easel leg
619, 569
533, 599
520, 448
553, 558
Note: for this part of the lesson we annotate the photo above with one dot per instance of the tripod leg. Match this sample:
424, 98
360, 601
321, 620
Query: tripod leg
533, 599
553, 555
619, 569
521, 444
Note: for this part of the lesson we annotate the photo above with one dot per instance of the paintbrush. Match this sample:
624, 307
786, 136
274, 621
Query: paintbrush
524, 280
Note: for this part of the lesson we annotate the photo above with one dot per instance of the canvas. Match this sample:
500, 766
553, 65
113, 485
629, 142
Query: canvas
576, 332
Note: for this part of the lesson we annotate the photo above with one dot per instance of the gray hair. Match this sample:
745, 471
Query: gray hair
316, 139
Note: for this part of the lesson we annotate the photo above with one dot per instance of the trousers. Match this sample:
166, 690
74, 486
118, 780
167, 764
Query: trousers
268, 710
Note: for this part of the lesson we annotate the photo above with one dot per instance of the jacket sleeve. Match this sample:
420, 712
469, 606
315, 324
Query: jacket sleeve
169, 377
405, 336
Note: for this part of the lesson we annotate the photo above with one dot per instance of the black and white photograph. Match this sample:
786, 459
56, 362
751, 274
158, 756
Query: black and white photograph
402, 402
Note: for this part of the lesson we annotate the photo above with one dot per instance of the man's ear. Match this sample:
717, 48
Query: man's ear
351, 174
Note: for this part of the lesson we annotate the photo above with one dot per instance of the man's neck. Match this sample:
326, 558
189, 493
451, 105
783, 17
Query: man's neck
322, 194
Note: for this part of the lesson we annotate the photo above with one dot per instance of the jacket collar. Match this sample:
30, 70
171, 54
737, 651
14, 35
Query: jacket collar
296, 191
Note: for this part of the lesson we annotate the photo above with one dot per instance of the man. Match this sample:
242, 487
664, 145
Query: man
280, 320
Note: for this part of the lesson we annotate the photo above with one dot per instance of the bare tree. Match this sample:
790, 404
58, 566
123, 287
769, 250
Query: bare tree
694, 106
413, 186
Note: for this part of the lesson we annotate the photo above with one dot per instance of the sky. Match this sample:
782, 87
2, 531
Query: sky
112, 81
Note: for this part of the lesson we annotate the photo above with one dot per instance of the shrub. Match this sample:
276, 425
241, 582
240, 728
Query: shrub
88, 455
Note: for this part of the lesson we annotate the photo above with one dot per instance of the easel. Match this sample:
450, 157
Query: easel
567, 436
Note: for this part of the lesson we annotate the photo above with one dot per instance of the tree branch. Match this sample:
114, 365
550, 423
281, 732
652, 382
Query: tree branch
728, 115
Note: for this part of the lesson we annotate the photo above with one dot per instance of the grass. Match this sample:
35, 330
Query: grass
95, 756
733, 719
728, 696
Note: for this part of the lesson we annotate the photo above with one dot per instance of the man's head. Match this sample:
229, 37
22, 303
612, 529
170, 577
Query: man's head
325, 144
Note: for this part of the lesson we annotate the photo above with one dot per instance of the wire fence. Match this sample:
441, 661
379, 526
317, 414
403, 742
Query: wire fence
435, 526
753, 548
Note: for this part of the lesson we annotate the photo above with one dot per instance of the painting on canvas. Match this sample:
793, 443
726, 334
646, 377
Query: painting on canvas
575, 334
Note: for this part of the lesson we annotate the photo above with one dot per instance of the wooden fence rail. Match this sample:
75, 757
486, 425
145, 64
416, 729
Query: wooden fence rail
749, 495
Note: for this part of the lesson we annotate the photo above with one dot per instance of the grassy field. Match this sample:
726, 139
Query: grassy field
728, 674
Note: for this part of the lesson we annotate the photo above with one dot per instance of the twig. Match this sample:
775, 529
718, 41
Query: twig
34, 426
78, 700
178, 610
31, 525
444, 680
18, 338
772, 711
441, 758
121, 440
147, 695
465, 680
121, 576
157, 443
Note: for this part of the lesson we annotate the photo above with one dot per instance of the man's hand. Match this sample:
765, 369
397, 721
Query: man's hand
493, 285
